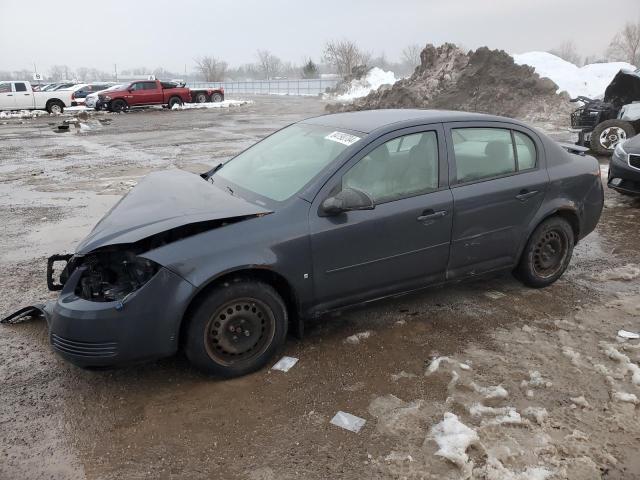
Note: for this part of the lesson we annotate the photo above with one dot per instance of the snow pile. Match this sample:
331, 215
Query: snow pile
589, 81
225, 104
362, 87
484, 80
495, 470
23, 114
355, 338
453, 438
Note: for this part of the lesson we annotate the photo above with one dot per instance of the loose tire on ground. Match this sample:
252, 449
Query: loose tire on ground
55, 107
236, 328
608, 134
547, 253
216, 97
118, 105
174, 101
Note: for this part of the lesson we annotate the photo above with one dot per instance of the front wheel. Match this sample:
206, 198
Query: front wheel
173, 101
608, 134
118, 105
547, 253
55, 107
236, 329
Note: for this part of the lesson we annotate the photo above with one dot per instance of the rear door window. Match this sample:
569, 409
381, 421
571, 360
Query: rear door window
525, 151
482, 153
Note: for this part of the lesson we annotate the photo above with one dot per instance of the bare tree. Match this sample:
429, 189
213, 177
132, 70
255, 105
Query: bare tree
567, 51
625, 45
269, 64
211, 68
60, 72
344, 56
411, 55
82, 74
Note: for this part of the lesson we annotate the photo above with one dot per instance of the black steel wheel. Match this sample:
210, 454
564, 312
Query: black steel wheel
236, 329
174, 101
118, 105
547, 253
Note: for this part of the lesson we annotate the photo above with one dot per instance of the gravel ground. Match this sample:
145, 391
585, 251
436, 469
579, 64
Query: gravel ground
561, 411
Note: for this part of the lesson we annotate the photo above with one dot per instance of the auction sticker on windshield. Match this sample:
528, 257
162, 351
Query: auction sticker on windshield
343, 138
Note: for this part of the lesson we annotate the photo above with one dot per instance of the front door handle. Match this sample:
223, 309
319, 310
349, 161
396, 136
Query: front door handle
525, 194
431, 215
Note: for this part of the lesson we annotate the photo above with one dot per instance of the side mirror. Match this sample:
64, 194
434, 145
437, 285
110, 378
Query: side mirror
346, 200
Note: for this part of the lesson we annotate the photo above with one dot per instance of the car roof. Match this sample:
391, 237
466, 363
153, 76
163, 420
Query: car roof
366, 121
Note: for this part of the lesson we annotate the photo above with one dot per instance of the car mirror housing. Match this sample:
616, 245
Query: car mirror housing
346, 200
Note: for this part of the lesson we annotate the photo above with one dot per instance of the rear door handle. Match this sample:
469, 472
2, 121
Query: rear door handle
525, 194
431, 215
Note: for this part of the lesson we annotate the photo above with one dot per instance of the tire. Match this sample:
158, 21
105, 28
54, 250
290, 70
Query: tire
200, 97
252, 308
608, 134
55, 107
217, 97
174, 101
547, 253
118, 105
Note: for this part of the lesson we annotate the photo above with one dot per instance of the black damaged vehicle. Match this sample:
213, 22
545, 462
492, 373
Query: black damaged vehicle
327, 213
624, 168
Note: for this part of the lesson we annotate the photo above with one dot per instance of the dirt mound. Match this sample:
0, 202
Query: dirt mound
483, 80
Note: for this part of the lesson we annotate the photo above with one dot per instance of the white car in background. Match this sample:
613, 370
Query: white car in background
91, 99
80, 92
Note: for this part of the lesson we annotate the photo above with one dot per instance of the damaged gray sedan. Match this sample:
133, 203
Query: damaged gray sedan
327, 213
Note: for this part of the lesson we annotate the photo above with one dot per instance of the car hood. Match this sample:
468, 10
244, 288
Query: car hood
162, 201
632, 145
623, 89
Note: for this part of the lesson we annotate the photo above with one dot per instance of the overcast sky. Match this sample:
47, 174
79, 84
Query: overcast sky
171, 34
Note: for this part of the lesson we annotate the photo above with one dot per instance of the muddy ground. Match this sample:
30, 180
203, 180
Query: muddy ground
560, 413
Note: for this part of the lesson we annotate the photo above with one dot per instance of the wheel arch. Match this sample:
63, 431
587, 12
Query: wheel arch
52, 100
262, 274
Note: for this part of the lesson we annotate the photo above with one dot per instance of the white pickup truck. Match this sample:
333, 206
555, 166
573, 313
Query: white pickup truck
20, 96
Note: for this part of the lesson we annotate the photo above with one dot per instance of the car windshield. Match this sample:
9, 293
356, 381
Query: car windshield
286, 161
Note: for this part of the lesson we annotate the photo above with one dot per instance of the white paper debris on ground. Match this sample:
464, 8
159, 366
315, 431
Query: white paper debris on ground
628, 335
497, 391
589, 80
454, 438
494, 294
376, 77
625, 397
355, 339
285, 364
348, 422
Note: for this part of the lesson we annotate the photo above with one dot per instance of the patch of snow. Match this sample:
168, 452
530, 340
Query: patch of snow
495, 470
435, 364
478, 410
537, 414
497, 391
398, 457
24, 114
355, 339
589, 81
453, 438
625, 397
627, 273
224, 104
376, 77
627, 364
397, 376
512, 417
535, 380
571, 355
494, 294
580, 401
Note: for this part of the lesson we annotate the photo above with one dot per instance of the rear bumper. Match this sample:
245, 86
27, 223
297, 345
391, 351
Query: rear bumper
622, 177
98, 334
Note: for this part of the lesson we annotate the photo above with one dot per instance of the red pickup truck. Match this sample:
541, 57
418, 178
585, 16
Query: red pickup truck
142, 92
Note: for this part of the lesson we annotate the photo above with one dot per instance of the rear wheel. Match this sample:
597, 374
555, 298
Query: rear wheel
174, 101
547, 253
608, 134
55, 106
118, 105
216, 97
201, 97
236, 329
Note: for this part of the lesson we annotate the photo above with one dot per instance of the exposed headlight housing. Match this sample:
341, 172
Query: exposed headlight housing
107, 98
110, 275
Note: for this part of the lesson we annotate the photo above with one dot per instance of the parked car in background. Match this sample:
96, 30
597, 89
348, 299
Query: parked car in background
142, 93
326, 213
79, 92
20, 96
58, 86
91, 99
624, 167
602, 124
